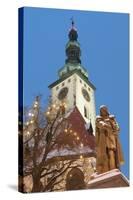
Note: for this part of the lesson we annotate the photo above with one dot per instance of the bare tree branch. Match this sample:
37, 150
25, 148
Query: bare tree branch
39, 144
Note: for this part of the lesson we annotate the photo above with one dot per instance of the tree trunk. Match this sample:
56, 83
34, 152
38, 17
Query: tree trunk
37, 185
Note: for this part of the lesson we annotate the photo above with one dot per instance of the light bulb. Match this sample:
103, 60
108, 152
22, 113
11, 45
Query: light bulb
75, 133
28, 133
81, 145
81, 157
77, 138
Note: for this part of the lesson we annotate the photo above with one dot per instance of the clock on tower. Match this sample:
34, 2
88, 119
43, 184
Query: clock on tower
73, 85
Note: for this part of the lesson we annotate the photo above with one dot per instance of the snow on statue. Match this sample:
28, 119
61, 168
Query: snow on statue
109, 153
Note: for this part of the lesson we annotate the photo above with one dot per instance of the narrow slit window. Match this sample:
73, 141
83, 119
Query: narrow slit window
85, 112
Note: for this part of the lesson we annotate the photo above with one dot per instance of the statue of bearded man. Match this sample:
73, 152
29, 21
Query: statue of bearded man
108, 148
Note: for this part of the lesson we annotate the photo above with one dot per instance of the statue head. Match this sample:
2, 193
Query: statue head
104, 111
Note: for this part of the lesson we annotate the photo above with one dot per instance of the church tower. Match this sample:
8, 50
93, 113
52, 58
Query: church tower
73, 88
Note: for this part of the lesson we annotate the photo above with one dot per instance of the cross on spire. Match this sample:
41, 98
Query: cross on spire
72, 21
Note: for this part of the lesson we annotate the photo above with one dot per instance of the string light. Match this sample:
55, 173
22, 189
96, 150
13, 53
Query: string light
48, 113
77, 138
31, 114
36, 102
81, 157
31, 121
65, 130
28, 133
75, 133
71, 131
70, 175
27, 123
64, 104
81, 145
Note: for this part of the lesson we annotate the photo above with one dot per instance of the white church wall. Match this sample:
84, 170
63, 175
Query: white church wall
74, 83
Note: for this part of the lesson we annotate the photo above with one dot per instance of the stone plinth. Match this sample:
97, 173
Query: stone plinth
113, 178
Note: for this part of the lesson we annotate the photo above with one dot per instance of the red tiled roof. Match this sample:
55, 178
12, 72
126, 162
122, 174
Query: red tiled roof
75, 136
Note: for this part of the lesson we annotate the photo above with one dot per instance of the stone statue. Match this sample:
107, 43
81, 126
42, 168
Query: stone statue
108, 148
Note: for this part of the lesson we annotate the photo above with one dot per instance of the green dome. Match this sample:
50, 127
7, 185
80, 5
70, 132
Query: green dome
73, 54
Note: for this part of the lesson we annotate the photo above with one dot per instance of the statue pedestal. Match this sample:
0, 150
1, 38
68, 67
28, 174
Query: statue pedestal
110, 179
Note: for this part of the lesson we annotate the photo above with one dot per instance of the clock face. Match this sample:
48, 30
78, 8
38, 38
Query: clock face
85, 94
63, 93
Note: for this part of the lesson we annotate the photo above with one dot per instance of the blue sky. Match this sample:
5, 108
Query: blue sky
104, 39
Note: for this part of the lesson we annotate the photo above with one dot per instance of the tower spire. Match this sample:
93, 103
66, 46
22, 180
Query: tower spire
72, 21
73, 53
73, 35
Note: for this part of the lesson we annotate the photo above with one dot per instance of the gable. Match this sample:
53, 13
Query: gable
74, 139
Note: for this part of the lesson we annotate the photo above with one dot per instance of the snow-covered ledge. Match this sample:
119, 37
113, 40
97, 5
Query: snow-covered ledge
113, 178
